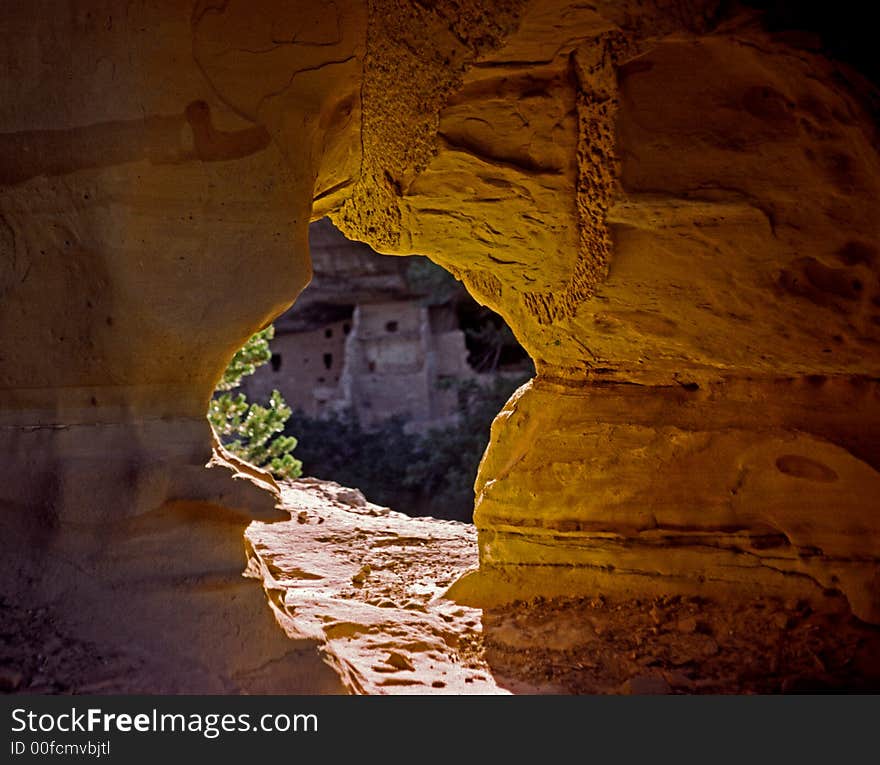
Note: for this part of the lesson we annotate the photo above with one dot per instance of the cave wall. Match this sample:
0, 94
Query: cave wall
673, 208
157, 170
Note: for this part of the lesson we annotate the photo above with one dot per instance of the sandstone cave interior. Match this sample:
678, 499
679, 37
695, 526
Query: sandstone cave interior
641, 240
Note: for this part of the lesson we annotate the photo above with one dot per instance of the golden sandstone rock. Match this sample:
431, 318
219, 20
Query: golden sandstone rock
674, 209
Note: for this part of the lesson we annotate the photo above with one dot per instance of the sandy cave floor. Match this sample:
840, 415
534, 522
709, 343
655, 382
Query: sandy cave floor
368, 583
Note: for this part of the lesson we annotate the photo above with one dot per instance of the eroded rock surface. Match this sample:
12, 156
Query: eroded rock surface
394, 604
368, 583
673, 207
765, 489
157, 173
377, 602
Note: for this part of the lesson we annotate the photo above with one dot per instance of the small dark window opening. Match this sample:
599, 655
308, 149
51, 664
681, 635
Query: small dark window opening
328, 333
372, 366
346, 328
275, 361
322, 379
391, 326
328, 360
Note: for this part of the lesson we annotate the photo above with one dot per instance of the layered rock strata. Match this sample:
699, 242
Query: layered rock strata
673, 208
157, 173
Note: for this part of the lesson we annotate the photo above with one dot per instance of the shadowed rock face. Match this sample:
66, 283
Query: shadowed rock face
158, 163
673, 208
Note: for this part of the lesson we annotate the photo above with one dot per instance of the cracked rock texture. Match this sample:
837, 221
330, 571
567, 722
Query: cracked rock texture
675, 210
382, 600
368, 584
673, 207
387, 598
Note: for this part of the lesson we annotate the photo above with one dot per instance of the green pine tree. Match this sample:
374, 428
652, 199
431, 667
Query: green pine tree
249, 430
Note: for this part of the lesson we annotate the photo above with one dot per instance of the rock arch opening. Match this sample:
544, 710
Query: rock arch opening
411, 371
673, 206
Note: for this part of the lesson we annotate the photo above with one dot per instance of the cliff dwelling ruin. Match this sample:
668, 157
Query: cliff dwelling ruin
368, 338
672, 203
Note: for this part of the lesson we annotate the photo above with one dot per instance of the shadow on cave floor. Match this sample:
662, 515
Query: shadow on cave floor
377, 590
374, 586
678, 644
38, 657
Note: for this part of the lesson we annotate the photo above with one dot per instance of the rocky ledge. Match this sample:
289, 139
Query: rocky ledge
395, 603
369, 583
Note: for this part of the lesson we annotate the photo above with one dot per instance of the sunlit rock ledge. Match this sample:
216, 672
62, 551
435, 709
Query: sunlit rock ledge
368, 583
397, 605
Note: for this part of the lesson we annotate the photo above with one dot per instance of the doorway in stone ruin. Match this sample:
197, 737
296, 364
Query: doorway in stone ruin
393, 373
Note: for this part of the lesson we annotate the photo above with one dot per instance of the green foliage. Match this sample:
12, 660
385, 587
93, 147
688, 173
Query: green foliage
430, 474
444, 468
254, 353
491, 341
338, 448
252, 431
434, 282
